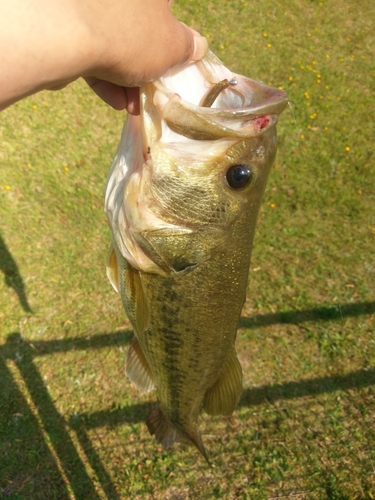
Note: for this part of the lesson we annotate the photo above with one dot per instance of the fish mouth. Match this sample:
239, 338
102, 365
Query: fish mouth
243, 108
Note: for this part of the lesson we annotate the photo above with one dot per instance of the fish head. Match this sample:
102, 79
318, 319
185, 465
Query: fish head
196, 183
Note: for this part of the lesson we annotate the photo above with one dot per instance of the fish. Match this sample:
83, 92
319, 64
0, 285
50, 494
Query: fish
182, 199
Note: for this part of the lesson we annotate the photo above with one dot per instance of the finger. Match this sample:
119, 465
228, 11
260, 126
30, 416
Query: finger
198, 48
112, 94
133, 106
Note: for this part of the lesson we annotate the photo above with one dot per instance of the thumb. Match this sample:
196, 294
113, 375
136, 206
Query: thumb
171, 44
196, 46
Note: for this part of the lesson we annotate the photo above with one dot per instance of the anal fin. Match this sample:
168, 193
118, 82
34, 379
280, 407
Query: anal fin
137, 368
223, 397
165, 433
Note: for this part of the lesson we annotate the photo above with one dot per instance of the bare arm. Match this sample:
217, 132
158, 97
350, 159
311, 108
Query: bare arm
115, 45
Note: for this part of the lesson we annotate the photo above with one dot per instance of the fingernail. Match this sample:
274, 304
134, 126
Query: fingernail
200, 47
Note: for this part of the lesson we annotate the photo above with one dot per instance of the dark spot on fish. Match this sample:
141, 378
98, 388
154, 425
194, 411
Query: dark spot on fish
172, 295
148, 150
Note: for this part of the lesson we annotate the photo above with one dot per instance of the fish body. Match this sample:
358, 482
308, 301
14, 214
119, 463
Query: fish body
182, 200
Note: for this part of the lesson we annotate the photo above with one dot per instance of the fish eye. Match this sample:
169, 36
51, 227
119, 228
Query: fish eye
239, 176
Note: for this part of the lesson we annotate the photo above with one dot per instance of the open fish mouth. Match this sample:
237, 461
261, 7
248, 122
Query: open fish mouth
242, 108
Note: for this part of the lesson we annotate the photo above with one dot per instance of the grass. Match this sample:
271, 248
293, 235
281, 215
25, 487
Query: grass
70, 424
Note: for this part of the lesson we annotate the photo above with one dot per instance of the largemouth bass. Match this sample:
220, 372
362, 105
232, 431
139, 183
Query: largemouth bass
182, 198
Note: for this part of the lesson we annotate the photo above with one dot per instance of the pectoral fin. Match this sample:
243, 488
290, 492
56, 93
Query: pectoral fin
223, 397
134, 298
138, 369
112, 268
177, 250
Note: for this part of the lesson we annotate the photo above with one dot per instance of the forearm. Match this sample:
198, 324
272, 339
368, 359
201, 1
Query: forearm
44, 44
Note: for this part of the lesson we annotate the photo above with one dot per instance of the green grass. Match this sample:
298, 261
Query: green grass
71, 426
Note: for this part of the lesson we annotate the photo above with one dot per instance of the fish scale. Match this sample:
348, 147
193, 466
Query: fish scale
182, 199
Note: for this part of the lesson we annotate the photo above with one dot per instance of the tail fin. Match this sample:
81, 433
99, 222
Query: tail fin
167, 434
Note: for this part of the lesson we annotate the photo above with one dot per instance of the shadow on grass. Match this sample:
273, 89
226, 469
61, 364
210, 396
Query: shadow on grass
308, 387
26, 460
36, 448
12, 275
336, 312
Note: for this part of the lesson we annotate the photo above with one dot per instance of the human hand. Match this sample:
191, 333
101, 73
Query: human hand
155, 43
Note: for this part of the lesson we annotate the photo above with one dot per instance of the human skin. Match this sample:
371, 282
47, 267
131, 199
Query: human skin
116, 45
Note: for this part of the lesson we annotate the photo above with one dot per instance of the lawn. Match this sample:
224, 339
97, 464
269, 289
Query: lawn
71, 426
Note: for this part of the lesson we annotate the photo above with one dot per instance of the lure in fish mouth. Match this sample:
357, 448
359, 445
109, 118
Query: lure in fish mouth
182, 198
